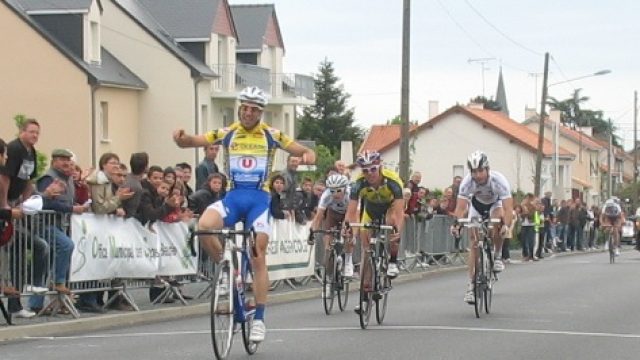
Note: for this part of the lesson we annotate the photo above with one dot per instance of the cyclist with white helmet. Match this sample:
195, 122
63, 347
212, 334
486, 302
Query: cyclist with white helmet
250, 145
611, 219
484, 193
380, 191
332, 207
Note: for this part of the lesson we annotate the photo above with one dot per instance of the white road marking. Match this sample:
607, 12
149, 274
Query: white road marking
381, 328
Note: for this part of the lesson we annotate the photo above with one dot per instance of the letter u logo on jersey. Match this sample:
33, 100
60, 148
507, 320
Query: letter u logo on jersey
247, 163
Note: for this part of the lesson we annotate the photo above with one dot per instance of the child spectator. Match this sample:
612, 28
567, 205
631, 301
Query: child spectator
212, 191
278, 209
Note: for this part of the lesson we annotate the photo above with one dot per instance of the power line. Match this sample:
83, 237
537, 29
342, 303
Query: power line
501, 32
468, 34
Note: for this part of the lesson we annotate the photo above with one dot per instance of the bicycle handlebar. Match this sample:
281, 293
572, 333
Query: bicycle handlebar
371, 226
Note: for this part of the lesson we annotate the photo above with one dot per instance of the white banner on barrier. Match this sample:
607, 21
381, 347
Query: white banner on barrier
108, 247
288, 254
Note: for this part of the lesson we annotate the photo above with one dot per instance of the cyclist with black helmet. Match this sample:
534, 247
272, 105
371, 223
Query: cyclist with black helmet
611, 219
380, 191
250, 146
332, 207
484, 193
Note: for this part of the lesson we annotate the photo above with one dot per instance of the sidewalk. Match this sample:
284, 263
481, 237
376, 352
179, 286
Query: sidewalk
58, 325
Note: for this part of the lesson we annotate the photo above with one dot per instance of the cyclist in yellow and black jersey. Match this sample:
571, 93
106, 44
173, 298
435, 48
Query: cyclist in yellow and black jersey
380, 190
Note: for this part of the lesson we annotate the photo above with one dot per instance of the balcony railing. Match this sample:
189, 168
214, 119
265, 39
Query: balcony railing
253, 75
235, 77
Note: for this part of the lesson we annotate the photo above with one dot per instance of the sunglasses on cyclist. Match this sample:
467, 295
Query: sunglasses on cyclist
334, 191
370, 169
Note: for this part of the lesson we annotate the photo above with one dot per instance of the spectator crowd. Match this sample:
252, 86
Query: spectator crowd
150, 193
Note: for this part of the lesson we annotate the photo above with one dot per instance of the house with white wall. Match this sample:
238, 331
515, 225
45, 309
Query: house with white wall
586, 173
441, 146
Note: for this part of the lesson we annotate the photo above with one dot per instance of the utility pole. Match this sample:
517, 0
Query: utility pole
635, 149
404, 102
543, 116
610, 175
482, 62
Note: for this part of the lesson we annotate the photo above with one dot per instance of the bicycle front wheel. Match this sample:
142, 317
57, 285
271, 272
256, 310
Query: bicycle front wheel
489, 277
384, 285
366, 294
247, 277
328, 285
342, 290
222, 310
612, 251
478, 283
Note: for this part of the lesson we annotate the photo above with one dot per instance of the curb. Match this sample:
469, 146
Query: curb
104, 322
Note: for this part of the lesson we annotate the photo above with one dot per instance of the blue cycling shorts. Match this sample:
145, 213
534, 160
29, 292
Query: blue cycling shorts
251, 205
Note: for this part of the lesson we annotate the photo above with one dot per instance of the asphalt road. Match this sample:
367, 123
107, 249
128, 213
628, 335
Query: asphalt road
565, 307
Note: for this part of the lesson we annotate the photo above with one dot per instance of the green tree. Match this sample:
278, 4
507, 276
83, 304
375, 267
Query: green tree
329, 121
574, 115
41, 158
487, 104
396, 120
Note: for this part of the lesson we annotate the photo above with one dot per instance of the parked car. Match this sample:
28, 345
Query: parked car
628, 231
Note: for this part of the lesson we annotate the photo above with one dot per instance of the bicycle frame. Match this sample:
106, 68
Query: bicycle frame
338, 285
236, 264
380, 284
484, 276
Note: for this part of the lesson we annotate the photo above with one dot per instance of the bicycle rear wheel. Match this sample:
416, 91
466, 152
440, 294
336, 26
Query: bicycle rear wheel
249, 305
478, 287
329, 292
366, 295
222, 321
384, 284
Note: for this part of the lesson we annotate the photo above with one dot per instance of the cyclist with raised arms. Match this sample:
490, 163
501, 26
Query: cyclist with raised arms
484, 193
380, 191
611, 219
249, 149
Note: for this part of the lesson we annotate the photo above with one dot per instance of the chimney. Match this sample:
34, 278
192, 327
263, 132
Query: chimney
529, 113
587, 130
433, 109
473, 105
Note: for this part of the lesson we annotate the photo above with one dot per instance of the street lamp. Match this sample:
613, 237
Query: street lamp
537, 187
598, 73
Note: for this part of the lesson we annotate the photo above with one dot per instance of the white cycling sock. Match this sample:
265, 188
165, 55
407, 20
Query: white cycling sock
348, 258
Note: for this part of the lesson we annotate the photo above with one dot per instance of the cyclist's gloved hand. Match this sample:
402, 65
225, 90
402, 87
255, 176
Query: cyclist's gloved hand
310, 239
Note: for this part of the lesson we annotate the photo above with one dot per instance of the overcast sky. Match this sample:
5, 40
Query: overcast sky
363, 40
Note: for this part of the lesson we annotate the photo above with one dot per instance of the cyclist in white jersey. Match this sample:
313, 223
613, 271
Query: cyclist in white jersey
489, 194
611, 219
331, 209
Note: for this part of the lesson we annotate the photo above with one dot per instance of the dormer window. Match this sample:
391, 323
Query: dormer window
94, 30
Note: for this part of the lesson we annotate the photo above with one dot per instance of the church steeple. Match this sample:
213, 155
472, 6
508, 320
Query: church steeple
501, 95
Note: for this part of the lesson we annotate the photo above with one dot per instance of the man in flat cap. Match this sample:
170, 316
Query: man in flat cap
60, 173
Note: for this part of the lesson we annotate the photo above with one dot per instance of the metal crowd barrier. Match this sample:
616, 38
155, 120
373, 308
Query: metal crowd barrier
28, 262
